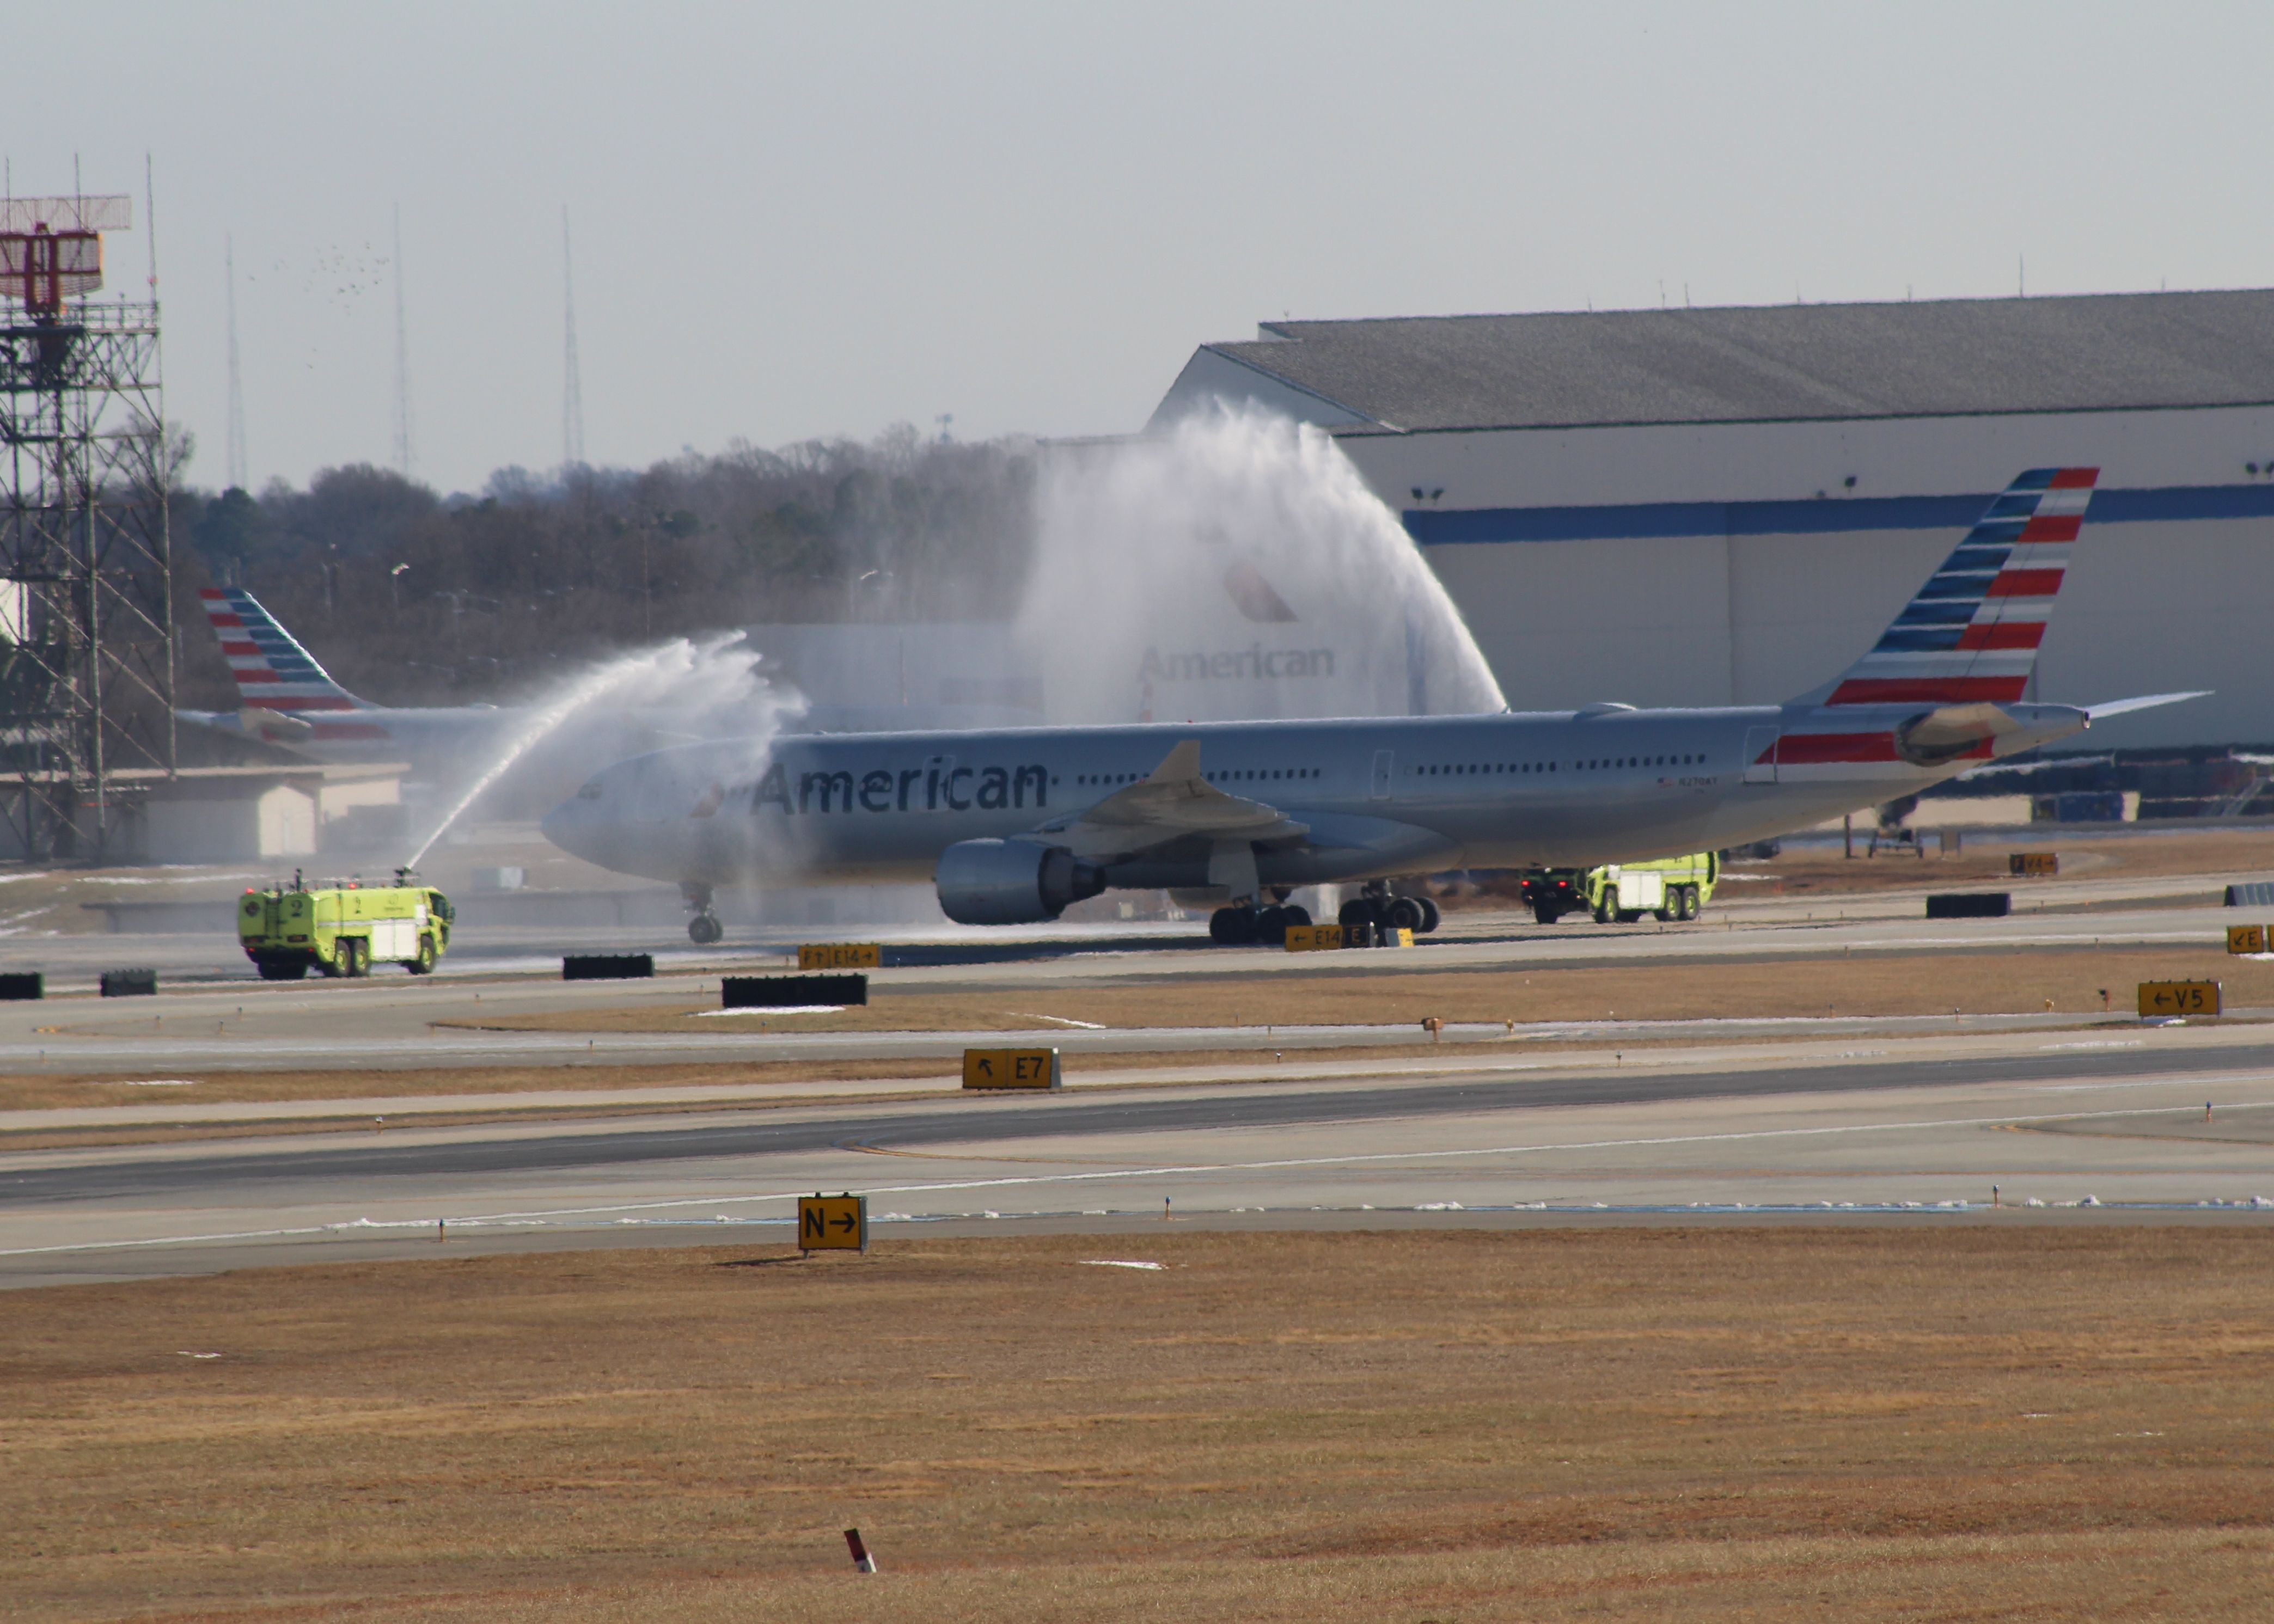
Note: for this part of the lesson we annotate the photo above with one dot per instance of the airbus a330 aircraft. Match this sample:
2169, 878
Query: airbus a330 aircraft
1014, 825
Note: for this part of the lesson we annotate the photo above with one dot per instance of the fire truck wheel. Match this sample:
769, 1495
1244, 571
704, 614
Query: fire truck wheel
424, 962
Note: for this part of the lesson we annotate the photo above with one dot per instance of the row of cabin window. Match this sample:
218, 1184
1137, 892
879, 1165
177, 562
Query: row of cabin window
1102, 778
1679, 760
1689, 759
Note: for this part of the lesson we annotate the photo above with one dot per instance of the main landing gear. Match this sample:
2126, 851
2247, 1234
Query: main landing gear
1245, 923
703, 929
1377, 907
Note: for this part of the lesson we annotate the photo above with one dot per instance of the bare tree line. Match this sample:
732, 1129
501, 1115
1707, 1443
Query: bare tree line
410, 597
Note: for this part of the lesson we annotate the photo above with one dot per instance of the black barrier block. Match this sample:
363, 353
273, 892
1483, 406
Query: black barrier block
23, 984
1970, 905
2255, 894
607, 966
130, 983
774, 992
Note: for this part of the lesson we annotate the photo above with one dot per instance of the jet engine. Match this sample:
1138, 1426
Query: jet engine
1012, 882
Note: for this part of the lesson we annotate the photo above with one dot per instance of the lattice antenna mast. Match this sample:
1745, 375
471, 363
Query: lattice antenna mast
86, 586
237, 474
572, 381
401, 360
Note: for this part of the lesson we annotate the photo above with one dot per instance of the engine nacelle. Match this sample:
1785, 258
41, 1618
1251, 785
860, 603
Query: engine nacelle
1012, 882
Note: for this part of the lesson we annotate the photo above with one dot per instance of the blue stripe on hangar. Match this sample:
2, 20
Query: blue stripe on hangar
1625, 520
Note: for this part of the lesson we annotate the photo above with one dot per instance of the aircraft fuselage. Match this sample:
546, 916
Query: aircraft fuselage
1377, 796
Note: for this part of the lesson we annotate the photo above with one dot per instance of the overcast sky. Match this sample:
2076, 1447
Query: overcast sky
815, 220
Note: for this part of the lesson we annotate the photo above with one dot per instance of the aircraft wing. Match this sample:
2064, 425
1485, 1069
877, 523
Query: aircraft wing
1171, 803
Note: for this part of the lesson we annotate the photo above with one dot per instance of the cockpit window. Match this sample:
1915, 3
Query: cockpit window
591, 792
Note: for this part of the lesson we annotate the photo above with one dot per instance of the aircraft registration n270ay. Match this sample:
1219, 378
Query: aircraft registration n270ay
1014, 825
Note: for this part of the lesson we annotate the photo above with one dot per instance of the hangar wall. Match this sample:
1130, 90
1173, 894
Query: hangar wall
1736, 563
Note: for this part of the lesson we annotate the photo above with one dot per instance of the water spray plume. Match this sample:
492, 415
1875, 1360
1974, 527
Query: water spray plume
1237, 566
692, 686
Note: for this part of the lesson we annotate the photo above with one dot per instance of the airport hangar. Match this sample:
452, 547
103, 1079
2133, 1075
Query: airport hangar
1726, 506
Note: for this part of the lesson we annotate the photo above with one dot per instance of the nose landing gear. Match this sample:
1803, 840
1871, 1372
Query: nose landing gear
703, 929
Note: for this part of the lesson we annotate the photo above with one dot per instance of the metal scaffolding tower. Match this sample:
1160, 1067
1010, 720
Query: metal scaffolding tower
87, 687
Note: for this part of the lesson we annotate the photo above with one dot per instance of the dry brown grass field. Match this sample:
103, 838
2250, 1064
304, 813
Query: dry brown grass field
2016, 1422
2000, 981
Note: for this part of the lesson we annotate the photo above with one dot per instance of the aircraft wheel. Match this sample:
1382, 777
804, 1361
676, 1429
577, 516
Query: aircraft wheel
1293, 914
1430, 917
704, 929
1232, 927
1358, 911
1405, 913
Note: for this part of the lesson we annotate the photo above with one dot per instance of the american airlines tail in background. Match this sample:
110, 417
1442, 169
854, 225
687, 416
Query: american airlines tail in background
285, 697
1014, 825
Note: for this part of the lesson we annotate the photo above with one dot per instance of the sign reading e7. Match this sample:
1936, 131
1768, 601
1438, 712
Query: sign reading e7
1011, 1068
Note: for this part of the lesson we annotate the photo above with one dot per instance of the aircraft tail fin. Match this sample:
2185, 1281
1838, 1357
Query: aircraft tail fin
272, 672
1971, 634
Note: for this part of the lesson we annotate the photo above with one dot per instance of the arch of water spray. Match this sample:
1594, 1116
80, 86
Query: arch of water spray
1235, 566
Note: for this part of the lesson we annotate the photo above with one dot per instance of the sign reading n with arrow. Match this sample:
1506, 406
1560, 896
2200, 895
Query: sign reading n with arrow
832, 1222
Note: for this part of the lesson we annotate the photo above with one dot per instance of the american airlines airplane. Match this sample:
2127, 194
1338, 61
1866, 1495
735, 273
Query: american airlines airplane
1014, 825
285, 697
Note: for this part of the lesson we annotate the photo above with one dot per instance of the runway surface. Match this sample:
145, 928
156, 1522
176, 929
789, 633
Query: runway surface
388, 1021
1891, 1136
1908, 1118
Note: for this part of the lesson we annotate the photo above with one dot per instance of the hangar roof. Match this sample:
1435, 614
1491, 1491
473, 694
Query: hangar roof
1781, 362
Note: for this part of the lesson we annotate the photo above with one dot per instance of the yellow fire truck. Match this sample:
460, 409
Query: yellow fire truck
1669, 887
343, 928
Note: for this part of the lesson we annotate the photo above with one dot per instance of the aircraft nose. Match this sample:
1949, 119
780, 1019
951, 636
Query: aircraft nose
570, 827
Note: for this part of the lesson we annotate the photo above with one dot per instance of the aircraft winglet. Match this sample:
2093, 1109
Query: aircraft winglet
2146, 702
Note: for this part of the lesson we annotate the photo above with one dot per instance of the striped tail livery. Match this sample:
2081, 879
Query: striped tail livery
1972, 632
272, 672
